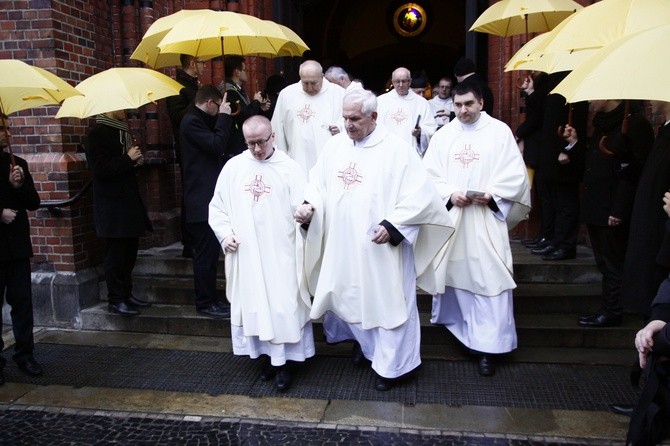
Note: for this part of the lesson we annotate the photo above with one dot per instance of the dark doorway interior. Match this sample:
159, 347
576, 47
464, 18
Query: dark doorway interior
361, 37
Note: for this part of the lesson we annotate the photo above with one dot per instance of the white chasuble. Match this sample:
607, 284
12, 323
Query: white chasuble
255, 200
353, 189
300, 121
484, 157
400, 114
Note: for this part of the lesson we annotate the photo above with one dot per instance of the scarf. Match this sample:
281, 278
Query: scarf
125, 138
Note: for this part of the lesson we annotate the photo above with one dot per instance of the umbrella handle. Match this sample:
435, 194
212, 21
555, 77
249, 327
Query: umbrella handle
237, 110
561, 128
602, 145
5, 128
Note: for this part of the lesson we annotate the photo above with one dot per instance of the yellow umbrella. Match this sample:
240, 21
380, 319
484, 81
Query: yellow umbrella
147, 50
630, 68
24, 86
118, 89
598, 25
532, 55
512, 17
224, 33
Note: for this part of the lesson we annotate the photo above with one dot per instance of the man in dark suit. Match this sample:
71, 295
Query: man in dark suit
119, 213
17, 195
560, 170
243, 107
614, 160
205, 134
187, 76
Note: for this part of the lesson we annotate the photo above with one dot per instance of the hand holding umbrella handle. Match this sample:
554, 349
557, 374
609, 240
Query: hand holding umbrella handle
521, 82
561, 129
602, 145
5, 128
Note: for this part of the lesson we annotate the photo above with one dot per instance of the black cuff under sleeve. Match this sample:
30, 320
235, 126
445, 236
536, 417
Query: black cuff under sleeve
396, 236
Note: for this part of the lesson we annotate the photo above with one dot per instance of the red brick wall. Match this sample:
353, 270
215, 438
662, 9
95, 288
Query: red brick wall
75, 39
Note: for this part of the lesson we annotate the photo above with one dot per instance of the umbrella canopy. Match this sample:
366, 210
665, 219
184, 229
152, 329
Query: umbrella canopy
224, 33
118, 89
511, 17
532, 55
630, 68
606, 21
147, 51
24, 86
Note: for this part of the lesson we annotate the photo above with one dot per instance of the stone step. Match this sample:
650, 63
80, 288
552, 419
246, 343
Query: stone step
528, 268
534, 330
528, 297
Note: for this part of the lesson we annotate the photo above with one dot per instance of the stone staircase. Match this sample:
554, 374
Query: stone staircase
548, 298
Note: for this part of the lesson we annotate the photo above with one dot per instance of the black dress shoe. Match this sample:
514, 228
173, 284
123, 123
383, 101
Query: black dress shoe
268, 371
137, 303
383, 384
531, 241
542, 243
622, 409
30, 367
357, 356
602, 318
215, 311
540, 251
123, 309
283, 378
485, 365
560, 254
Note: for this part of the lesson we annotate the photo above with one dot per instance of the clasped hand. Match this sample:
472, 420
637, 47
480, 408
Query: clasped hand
303, 213
231, 243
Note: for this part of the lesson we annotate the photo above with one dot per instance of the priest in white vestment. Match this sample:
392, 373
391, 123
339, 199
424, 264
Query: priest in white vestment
251, 214
442, 104
307, 114
405, 113
480, 174
376, 223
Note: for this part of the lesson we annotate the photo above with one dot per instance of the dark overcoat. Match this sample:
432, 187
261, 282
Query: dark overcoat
118, 210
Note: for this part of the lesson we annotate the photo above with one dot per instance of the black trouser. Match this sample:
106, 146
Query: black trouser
609, 249
205, 258
120, 257
547, 211
187, 239
15, 286
565, 202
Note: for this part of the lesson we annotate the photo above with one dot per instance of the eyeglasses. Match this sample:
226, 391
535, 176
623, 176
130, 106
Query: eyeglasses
261, 144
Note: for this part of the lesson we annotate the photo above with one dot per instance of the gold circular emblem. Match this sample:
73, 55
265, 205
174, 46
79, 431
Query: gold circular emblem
409, 19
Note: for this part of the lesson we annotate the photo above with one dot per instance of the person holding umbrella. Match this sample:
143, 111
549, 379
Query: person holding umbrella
205, 142
118, 211
17, 195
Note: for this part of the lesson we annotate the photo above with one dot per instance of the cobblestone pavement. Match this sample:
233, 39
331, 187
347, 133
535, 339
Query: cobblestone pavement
45, 428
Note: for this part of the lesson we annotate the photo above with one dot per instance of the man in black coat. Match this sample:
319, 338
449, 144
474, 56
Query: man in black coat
643, 271
187, 76
242, 107
614, 160
17, 195
558, 175
205, 135
118, 211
